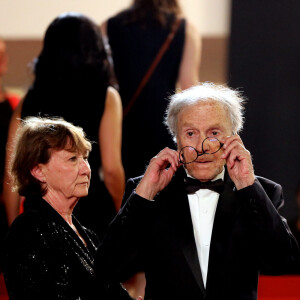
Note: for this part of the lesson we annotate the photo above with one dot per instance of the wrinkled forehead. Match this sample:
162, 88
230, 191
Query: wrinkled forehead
202, 113
64, 152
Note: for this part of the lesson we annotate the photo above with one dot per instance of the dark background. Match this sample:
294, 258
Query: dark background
264, 63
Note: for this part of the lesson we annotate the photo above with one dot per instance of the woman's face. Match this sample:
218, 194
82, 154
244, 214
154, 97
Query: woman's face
67, 174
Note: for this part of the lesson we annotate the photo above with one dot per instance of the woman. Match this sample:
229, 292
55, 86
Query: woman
49, 254
73, 79
135, 36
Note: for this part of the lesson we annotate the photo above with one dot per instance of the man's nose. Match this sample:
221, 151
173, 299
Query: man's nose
201, 145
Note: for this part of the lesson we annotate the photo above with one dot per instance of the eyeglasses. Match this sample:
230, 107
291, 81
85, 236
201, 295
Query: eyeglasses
189, 154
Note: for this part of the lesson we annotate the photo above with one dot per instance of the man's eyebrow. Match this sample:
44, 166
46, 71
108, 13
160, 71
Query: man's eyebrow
186, 124
213, 126
216, 126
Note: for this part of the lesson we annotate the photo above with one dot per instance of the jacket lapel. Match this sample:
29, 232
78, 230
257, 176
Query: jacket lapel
223, 222
184, 229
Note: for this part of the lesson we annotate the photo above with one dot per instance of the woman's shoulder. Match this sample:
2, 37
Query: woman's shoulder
120, 17
191, 29
38, 216
113, 97
112, 92
27, 224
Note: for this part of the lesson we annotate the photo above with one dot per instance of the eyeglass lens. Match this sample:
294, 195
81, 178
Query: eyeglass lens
189, 154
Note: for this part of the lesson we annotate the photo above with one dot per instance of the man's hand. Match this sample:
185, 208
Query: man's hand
238, 161
157, 177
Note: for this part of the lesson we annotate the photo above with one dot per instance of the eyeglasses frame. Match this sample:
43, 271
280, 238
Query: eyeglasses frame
198, 153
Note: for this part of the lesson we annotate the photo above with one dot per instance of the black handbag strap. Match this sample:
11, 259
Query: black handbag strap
153, 65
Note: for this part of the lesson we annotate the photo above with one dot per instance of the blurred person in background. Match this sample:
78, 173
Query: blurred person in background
135, 36
8, 103
74, 80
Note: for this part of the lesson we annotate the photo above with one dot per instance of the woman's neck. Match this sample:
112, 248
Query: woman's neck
63, 206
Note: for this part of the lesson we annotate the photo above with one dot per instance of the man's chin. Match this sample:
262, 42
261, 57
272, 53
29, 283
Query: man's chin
204, 179
202, 176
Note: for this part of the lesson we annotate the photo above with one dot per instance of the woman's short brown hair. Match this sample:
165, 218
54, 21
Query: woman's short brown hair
35, 139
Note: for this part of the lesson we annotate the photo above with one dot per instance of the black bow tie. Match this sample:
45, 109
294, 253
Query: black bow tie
193, 185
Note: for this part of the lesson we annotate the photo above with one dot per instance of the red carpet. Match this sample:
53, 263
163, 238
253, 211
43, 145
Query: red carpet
279, 287
269, 288
3, 292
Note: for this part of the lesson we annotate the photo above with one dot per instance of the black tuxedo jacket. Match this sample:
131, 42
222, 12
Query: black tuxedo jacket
249, 236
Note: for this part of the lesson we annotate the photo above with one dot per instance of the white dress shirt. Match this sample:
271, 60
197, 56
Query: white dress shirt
203, 204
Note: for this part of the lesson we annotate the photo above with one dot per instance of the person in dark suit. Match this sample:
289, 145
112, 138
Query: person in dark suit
199, 222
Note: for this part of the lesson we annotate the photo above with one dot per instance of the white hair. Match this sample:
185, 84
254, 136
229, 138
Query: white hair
230, 99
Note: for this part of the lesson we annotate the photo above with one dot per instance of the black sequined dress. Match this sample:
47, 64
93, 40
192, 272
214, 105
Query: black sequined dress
45, 258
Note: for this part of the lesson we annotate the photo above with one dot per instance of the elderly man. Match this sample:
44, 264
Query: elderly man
199, 222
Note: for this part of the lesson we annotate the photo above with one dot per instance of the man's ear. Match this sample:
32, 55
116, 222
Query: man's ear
37, 172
